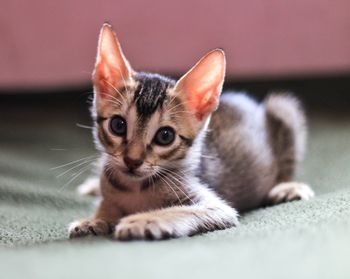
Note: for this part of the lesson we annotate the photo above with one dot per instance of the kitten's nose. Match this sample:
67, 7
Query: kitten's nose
132, 163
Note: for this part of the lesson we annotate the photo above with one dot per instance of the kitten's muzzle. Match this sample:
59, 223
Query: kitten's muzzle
132, 164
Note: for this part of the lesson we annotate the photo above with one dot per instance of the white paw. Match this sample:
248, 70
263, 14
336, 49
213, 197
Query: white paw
290, 191
143, 227
91, 187
88, 227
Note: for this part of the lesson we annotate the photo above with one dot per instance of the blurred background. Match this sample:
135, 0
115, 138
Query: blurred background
51, 45
47, 53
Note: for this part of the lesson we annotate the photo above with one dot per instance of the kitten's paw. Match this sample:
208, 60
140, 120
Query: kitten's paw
90, 187
88, 227
290, 191
143, 227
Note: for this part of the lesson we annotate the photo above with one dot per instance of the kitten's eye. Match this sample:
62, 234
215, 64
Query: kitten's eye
117, 125
164, 136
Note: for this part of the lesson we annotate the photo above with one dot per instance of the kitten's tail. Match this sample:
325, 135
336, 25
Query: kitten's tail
287, 129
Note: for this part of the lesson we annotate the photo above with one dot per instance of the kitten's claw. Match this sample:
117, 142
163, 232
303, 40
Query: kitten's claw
290, 191
88, 227
139, 227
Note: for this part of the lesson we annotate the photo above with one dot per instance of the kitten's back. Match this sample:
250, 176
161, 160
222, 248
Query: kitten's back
239, 161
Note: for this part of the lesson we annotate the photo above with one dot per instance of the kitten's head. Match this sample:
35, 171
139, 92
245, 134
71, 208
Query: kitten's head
147, 123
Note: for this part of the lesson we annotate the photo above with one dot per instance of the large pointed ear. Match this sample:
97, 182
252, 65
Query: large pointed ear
112, 70
200, 87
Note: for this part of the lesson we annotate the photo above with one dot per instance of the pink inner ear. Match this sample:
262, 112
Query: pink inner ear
204, 102
201, 86
103, 79
111, 69
107, 78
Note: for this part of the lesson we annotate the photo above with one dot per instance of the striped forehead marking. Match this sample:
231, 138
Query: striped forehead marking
150, 93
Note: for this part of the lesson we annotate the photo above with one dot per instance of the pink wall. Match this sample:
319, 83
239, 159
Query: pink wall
53, 43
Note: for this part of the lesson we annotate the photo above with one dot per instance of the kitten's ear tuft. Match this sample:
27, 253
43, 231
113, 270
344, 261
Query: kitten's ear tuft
200, 87
111, 68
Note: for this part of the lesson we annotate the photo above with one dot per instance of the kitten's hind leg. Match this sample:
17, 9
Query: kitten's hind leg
289, 191
90, 187
287, 129
286, 125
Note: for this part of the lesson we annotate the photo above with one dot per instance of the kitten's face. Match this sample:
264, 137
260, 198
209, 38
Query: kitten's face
145, 128
146, 123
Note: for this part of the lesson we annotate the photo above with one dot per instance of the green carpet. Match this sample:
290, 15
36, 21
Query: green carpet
294, 240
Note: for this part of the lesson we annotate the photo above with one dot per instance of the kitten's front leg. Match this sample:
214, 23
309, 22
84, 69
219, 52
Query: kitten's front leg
107, 215
176, 221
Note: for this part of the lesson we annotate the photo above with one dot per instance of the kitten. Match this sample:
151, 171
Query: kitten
170, 165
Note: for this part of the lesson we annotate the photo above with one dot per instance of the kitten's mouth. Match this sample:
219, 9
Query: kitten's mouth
133, 173
136, 174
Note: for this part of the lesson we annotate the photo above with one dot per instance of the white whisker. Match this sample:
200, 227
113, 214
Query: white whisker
116, 90
83, 126
73, 162
76, 166
125, 85
84, 169
174, 107
163, 179
172, 175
